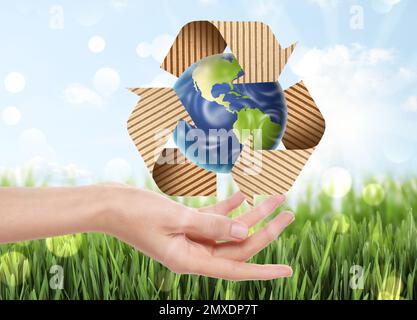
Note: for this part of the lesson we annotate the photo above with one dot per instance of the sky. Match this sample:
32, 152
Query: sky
66, 66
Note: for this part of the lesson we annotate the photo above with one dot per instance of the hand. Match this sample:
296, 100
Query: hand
186, 240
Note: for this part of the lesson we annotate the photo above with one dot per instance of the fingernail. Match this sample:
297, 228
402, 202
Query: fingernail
287, 272
289, 217
283, 271
280, 197
239, 231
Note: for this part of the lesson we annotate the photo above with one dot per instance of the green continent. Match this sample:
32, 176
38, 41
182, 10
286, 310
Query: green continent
214, 71
249, 120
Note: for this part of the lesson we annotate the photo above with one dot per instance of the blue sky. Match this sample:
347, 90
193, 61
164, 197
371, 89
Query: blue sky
65, 67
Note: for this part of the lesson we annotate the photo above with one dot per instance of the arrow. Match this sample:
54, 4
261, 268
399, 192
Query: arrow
268, 172
150, 125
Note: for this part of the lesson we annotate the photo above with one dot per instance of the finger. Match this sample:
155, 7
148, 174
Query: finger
189, 258
237, 271
226, 206
261, 211
246, 249
212, 226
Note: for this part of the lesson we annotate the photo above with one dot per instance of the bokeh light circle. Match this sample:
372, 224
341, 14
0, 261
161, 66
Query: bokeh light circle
106, 81
14, 82
96, 44
342, 221
11, 116
398, 150
14, 268
64, 246
373, 194
336, 182
391, 289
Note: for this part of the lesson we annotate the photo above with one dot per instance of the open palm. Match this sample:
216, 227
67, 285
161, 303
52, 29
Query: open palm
192, 253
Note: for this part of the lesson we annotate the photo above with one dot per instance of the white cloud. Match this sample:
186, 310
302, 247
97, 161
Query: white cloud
11, 116
398, 149
377, 55
89, 14
96, 44
114, 140
275, 10
106, 81
384, 6
264, 7
78, 94
354, 70
411, 104
324, 3
162, 80
156, 49
391, 2
118, 170
355, 88
34, 143
209, 2
72, 172
119, 4
33, 137
15, 82
43, 171
407, 74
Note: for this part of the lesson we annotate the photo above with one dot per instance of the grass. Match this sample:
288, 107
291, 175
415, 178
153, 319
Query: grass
325, 248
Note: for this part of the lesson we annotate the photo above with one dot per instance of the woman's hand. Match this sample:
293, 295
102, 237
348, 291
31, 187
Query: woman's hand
186, 240
197, 241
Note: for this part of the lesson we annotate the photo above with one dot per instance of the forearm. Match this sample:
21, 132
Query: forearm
193, 241
34, 213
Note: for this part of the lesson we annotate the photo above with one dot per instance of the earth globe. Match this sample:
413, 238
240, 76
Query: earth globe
226, 113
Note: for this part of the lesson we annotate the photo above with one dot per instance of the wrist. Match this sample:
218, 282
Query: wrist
102, 214
112, 214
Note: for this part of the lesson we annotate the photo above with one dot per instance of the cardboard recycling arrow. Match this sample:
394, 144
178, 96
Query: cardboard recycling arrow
150, 126
262, 59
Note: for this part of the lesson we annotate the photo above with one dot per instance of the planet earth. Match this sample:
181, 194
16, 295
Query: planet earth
225, 113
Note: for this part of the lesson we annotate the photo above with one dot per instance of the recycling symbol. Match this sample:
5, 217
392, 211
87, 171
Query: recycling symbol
256, 171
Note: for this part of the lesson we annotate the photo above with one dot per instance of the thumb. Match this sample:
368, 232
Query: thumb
214, 227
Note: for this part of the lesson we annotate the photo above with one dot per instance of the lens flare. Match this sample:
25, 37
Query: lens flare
343, 224
64, 246
14, 268
336, 182
373, 194
391, 289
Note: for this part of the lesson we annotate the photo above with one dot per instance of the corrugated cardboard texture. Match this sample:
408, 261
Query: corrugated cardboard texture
180, 177
253, 43
159, 109
195, 41
277, 170
305, 124
262, 59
